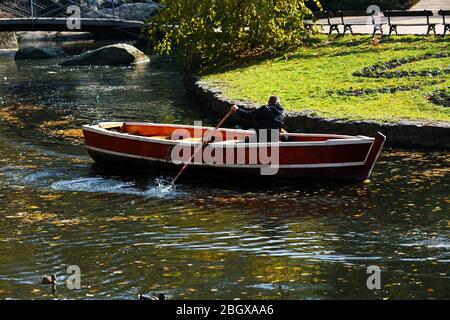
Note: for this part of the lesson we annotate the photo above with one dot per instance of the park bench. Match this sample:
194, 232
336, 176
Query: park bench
444, 13
390, 14
342, 15
333, 26
347, 26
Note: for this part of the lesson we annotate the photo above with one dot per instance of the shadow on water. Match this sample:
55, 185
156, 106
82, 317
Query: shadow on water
238, 183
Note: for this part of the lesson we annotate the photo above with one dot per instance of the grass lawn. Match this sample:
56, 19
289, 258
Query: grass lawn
320, 78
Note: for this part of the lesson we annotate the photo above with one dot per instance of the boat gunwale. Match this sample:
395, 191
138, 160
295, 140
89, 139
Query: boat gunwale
339, 139
237, 165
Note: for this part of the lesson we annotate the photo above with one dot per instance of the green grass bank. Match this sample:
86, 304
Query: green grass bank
351, 77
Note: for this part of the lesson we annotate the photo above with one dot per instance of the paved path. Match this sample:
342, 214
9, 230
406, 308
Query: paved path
433, 5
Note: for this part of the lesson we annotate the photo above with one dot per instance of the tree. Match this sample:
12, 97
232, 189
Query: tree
207, 31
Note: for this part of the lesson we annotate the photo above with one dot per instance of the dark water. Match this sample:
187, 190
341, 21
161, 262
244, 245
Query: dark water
229, 239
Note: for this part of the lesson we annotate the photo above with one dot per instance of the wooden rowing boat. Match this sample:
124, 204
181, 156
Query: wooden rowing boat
324, 156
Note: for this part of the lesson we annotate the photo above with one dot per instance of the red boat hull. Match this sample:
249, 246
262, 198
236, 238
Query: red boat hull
314, 156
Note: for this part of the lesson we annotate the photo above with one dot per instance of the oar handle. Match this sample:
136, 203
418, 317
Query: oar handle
205, 141
225, 118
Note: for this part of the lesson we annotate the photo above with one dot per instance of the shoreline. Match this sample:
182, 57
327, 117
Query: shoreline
404, 134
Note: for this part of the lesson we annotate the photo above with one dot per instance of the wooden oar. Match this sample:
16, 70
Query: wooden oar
205, 142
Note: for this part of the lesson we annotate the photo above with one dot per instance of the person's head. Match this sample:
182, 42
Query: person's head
274, 100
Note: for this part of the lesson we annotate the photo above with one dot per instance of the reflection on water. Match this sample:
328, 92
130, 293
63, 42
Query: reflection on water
228, 239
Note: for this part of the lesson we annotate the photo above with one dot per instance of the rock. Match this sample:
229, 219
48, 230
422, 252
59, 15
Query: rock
38, 53
73, 36
23, 36
8, 40
115, 54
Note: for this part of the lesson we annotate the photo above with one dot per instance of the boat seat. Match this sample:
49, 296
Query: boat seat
200, 140
191, 140
231, 141
194, 139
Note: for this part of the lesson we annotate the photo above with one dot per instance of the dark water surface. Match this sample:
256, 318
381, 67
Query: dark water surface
231, 239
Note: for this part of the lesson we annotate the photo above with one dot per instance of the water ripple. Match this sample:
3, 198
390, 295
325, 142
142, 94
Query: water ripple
160, 188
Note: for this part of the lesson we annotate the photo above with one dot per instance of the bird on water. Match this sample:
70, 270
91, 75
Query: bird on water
49, 279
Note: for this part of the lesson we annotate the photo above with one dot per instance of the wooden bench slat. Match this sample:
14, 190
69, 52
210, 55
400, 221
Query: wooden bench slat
411, 24
394, 13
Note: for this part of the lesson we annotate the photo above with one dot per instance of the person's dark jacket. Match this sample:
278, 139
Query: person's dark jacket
271, 116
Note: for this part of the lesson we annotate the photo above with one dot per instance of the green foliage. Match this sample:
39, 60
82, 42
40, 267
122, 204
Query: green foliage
208, 31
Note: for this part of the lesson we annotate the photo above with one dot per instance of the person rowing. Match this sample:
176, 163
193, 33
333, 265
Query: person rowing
269, 117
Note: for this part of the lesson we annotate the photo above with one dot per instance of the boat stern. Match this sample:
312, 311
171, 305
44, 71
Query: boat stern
373, 154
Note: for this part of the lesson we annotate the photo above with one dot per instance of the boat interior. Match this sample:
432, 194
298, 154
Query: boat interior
187, 133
